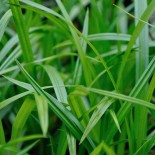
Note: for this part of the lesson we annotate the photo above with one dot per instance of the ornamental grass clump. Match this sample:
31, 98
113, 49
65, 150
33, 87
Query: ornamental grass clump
77, 77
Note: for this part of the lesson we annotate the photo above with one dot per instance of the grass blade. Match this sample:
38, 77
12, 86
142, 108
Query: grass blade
2, 138
42, 107
3, 22
115, 119
98, 113
12, 99
22, 152
22, 117
58, 84
69, 120
134, 36
22, 31
71, 143
103, 146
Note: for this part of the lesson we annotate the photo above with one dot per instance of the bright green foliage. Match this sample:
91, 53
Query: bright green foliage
77, 77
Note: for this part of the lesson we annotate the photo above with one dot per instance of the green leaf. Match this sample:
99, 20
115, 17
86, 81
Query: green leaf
121, 115
26, 149
58, 84
71, 143
42, 107
97, 114
12, 99
122, 97
2, 138
64, 114
145, 16
22, 31
3, 22
115, 119
22, 117
102, 146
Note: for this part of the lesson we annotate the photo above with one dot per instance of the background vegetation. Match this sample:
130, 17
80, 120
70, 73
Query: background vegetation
77, 77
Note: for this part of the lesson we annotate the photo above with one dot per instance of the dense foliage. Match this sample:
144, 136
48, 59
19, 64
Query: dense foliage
77, 77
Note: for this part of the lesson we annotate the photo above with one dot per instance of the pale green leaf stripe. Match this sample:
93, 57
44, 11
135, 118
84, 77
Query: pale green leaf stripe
134, 36
22, 117
142, 60
14, 55
109, 36
19, 83
57, 82
78, 68
97, 114
42, 107
71, 143
12, 99
17, 52
70, 121
14, 40
115, 119
8, 46
85, 31
121, 97
75, 11
61, 95
3, 23
22, 31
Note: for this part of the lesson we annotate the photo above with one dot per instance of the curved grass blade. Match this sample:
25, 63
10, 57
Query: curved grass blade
12, 99
97, 114
19, 83
3, 23
64, 114
122, 97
